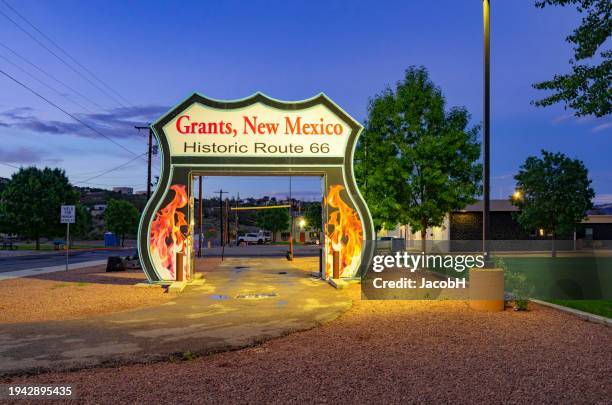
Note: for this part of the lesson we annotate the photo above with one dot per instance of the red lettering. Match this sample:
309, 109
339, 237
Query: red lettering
179, 128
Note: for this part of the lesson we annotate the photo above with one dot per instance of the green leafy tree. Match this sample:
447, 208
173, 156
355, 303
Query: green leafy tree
30, 202
555, 193
587, 89
121, 218
313, 217
82, 226
273, 220
417, 161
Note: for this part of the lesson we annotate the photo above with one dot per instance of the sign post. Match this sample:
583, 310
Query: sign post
67, 216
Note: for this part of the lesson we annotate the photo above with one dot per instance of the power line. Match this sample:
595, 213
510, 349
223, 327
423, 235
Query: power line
112, 185
43, 83
67, 113
10, 165
64, 51
110, 170
52, 77
62, 60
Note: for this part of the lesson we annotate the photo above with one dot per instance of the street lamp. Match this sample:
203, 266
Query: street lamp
302, 223
517, 195
486, 227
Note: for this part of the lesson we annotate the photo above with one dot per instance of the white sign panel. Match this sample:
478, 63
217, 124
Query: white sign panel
257, 130
68, 214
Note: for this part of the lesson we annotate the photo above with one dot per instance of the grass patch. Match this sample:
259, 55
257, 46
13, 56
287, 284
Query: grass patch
597, 307
566, 278
60, 285
82, 284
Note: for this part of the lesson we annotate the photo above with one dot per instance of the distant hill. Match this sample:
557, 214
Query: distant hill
91, 196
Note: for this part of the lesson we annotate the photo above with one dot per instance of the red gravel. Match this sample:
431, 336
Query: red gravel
384, 352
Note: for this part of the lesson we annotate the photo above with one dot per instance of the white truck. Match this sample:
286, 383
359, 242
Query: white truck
251, 238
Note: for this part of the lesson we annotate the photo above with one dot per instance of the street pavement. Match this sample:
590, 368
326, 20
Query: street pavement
47, 259
241, 302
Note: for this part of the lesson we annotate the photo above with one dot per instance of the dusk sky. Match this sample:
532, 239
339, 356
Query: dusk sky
151, 55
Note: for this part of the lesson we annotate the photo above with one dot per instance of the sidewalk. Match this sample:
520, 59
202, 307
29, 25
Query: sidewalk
50, 269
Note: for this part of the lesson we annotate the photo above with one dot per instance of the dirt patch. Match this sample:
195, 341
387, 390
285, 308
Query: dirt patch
384, 352
75, 294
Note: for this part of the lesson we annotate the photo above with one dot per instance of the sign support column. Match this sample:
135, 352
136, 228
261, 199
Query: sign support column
67, 216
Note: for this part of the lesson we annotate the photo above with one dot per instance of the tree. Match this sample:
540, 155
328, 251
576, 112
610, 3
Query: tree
82, 225
30, 202
313, 216
121, 218
587, 89
416, 161
273, 220
555, 193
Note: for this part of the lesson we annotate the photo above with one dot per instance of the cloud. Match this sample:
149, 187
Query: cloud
562, 118
603, 199
602, 127
25, 155
117, 122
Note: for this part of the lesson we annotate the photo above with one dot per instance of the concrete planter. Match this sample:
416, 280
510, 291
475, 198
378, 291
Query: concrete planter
487, 289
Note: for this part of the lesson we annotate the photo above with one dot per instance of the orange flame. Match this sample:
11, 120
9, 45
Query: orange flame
346, 236
166, 237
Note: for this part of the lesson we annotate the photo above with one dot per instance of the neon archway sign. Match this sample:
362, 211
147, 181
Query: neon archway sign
255, 136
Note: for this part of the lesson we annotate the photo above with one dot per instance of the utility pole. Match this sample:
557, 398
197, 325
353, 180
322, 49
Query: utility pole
236, 212
149, 153
221, 192
291, 218
200, 216
486, 225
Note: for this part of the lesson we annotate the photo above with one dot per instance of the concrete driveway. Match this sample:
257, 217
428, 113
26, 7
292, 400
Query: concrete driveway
242, 301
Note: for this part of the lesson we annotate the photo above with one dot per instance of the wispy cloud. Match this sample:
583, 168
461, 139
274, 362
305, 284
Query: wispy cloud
118, 122
603, 199
562, 118
602, 127
25, 155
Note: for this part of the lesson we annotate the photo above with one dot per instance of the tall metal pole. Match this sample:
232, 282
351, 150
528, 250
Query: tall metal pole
67, 244
236, 212
221, 192
221, 217
291, 217
486, 226
200, 216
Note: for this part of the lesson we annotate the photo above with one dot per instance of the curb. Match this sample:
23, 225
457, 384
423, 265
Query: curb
580, 314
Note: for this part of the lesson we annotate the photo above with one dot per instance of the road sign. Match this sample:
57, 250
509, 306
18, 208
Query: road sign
68, 214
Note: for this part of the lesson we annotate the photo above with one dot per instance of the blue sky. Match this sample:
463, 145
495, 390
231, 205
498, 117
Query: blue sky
155, 53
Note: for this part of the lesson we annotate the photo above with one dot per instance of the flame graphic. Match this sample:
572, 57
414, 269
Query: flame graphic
166, 237
346, 236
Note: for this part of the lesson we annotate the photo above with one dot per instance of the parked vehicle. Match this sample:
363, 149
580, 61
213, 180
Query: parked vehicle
251, 238
266, 236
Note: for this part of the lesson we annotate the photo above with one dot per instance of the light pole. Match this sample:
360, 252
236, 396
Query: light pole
486, 226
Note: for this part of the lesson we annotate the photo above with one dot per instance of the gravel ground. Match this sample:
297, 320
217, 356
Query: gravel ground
383, 352
75, 294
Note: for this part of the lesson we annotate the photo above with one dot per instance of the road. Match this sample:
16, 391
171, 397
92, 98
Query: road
40, 260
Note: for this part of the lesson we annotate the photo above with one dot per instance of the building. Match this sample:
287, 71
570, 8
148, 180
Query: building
124, 190
466, 225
